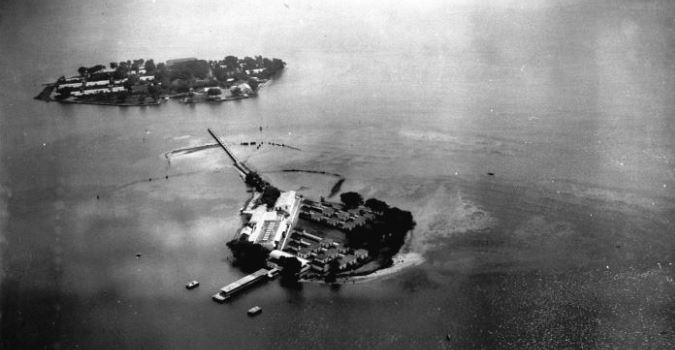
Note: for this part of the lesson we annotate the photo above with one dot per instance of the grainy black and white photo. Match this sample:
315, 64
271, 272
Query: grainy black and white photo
297, 174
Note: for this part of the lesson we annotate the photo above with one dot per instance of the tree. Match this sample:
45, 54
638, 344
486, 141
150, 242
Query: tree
333, 269
270, 196
150, 66
253, 83
231, 62
121, 71
235, 90
273, 67
82, 71
254, 180
113, 65
214, 92
377, 205
351, 199
290, 267
249, 62
162, 74
122, 96
219, 73
96, 68
249, 256
154, 91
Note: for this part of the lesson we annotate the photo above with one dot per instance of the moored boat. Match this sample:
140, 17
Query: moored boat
254, 310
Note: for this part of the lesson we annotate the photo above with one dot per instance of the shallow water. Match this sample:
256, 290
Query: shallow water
569, 244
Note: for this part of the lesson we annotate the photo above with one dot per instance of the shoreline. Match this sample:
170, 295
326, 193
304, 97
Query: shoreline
100, 103
400, 263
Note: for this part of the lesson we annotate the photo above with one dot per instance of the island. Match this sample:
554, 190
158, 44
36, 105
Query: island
306, 240
142, 82
314, 240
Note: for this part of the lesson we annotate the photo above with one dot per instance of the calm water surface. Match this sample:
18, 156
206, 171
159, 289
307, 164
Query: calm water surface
569, 245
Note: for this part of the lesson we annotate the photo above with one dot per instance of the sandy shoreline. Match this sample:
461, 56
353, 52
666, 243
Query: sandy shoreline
401, 262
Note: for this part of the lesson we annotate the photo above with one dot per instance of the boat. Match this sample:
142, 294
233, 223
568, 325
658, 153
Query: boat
254, 310
192, 284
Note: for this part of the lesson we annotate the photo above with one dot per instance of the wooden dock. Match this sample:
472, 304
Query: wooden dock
243, 169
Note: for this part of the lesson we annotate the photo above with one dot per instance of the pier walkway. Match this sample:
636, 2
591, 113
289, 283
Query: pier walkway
243, 169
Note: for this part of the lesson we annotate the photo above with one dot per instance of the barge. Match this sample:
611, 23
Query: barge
231, 289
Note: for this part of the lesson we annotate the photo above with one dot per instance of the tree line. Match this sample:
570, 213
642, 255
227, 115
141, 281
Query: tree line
385, 234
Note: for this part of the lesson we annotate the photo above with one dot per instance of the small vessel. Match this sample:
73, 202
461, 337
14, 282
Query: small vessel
254, 310
192, 284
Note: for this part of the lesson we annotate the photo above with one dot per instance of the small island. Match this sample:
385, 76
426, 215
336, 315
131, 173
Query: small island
308, 240
143, 82
305, 240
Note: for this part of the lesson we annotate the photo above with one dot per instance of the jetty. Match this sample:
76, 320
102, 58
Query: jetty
233, 288
241, 167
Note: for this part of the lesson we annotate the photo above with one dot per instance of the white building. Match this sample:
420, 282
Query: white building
269, 228
70, 85
96, 91
255, 71
286, 202
278, 254
97, 83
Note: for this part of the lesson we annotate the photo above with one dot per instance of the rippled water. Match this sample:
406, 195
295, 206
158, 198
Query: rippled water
568, 245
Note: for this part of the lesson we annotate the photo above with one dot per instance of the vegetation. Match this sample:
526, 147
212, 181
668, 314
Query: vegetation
248, 256
254, 180
214, 92
290, 268
333, 269
269, 196
385, 235
351, 199
376, 205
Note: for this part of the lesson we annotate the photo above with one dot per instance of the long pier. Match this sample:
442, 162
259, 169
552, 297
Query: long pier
237, 164
231, 289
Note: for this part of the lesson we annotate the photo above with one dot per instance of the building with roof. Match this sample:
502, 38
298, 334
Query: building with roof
305, 252
347, 261
310, 236
270, 227
361, 254
96, 91
287, 202
97, 83
69, 85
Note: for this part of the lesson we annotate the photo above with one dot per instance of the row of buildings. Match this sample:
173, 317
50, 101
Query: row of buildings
80, 86
334, 215
320, 252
